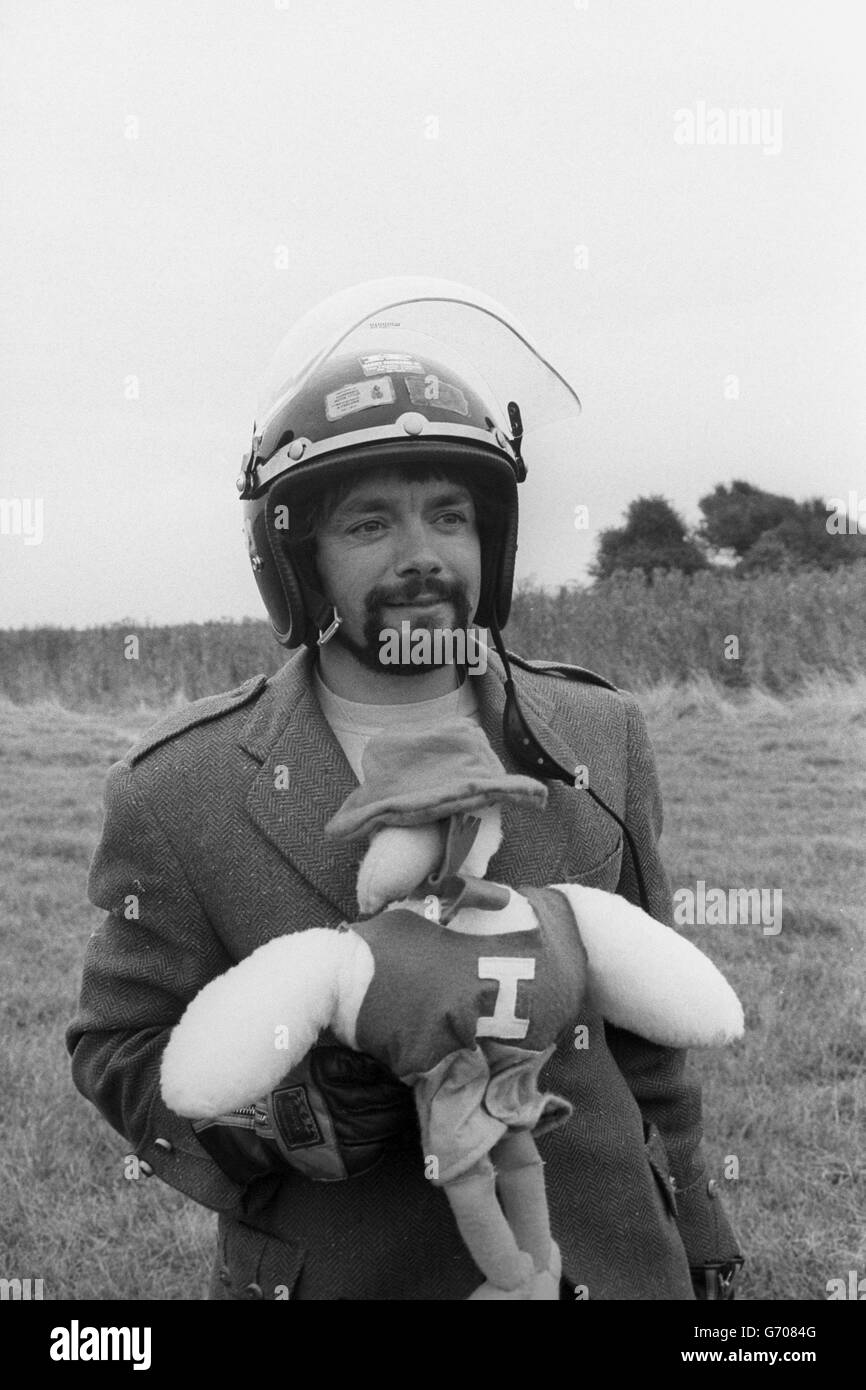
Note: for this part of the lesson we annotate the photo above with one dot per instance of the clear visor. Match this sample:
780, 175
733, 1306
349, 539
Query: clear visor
412, 315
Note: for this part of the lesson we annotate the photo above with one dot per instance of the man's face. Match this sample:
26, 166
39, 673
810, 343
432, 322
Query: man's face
398, 550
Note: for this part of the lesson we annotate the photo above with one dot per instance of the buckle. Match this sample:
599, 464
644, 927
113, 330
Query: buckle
329, 631
718, 1280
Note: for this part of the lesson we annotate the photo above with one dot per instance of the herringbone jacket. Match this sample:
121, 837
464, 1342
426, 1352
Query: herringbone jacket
221, 858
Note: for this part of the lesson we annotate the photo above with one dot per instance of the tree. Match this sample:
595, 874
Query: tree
769, 532
654, 537
736, 517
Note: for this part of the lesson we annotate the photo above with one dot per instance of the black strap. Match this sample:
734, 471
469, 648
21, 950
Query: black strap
572, 673
526, 749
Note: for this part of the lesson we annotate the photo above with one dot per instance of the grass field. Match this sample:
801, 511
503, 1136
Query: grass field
759, 793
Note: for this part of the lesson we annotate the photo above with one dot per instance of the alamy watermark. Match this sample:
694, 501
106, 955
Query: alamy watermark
854, 1287
77, 1343
22, 516
21, 1289
438, 646
713, 125
719, 907
846, 520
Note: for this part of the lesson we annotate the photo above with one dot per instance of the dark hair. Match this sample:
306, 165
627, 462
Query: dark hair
309, 515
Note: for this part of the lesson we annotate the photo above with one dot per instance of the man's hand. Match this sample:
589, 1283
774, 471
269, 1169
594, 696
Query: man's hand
333, 1117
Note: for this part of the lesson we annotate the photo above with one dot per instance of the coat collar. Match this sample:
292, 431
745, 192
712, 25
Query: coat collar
305, 776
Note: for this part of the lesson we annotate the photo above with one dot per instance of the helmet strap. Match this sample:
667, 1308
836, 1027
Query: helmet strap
525, 748
322, 613
322, 616
325, 634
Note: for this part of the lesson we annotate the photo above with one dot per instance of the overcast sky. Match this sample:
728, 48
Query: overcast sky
156, 156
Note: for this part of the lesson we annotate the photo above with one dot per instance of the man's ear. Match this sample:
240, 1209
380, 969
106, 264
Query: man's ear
399, 859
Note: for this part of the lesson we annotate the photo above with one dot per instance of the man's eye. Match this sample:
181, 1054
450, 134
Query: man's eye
453, 518
365, 528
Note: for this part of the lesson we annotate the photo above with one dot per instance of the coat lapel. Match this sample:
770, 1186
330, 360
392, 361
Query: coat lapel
303, 779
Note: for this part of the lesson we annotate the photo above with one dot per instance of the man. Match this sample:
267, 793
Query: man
380, 497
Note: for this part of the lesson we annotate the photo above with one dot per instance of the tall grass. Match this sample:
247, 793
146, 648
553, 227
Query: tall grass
789, 628
90, 668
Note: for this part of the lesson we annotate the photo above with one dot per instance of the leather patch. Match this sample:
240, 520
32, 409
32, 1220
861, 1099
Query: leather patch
299, 1128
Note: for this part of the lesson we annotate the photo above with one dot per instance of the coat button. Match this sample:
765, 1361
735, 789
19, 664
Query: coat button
225, 1277
145, 1168
712, 1188
253, 1291
164, 1144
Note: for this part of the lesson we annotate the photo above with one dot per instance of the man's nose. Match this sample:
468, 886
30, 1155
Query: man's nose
416, 549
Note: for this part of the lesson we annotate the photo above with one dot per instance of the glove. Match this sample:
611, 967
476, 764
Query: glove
715, 1283
332, 1117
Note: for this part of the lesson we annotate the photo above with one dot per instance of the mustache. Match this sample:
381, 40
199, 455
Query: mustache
447, 592
368, 652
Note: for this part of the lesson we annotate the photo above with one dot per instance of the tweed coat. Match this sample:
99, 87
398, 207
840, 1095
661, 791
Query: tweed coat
223, 851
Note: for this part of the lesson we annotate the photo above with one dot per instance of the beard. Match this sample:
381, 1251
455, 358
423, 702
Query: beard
368, 652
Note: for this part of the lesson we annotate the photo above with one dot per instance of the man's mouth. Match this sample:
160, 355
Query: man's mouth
423, 601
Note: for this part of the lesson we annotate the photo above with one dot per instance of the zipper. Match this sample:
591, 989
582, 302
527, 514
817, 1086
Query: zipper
244, 1117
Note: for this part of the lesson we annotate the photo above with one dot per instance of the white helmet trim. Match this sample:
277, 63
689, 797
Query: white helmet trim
281, 462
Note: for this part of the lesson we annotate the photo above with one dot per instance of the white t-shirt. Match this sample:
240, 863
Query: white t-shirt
354, 724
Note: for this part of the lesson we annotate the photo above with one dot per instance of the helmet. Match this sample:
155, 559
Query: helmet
390, 372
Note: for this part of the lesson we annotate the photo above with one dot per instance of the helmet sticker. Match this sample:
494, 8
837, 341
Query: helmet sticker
358, 395
432, 390
377, 362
